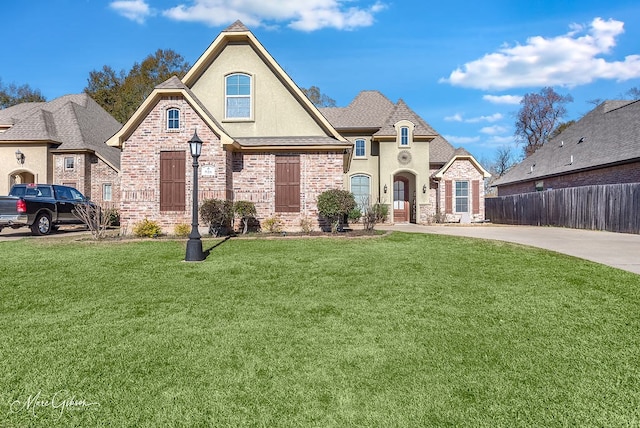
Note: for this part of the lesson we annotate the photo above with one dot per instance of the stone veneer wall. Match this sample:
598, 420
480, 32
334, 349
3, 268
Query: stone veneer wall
462, 170
88, 175
140, 186
254, 180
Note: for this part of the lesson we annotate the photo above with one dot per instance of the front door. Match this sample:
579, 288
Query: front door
401, 199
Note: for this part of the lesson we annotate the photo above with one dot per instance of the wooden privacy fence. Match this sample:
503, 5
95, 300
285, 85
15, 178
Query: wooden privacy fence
612, 207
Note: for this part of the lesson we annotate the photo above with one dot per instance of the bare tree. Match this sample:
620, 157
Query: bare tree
318, 98
538, 117
91, 216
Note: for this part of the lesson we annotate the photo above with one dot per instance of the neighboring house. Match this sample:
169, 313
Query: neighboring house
400, 160
265, 142
603, 147
61, 142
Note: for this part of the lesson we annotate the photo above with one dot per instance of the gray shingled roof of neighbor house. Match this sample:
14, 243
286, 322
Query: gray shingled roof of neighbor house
74, 122
372, 110
608, 134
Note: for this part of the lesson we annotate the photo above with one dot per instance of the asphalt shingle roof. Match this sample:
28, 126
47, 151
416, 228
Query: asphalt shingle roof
74, 122
610, 134
372, 110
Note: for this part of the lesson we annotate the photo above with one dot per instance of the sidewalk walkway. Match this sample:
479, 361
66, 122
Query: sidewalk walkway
620, 250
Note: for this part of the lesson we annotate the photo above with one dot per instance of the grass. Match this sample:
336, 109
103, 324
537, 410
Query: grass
403, 330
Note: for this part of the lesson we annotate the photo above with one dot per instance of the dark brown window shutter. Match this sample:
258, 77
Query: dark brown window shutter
172, 181
448, 197
475, 196
288, 183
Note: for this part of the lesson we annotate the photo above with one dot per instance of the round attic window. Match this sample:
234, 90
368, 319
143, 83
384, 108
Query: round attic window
404, 157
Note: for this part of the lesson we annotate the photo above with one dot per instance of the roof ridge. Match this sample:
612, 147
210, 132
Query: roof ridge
237, 26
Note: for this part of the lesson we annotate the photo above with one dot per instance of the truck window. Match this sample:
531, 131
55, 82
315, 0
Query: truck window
17, 191
45, 192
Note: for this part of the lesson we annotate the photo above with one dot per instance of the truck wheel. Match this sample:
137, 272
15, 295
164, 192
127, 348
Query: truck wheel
42, 225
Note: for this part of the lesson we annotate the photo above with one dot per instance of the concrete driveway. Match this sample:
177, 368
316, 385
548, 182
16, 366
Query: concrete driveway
8, 234
620, 250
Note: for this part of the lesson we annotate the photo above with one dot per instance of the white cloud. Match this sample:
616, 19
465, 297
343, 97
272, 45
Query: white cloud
308, 15
461, 140
494, 130
503, 99
455, 118
493, 118
135, 10
568, 60
458, 118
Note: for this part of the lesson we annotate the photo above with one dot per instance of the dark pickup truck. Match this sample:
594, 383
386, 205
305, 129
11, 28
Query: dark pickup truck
42, 207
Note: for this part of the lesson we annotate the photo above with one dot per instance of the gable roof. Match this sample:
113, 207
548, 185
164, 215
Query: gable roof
170, 87
71, 123
461, 154
239, 33
607, 135
372, 111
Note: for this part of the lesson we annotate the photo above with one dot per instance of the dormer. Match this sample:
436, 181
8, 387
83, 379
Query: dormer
404, 133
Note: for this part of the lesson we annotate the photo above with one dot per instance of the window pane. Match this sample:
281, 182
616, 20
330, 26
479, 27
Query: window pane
404, 136
173, 121
106, 192
238, 107
238, 84
360, 190
462, 196
360, 147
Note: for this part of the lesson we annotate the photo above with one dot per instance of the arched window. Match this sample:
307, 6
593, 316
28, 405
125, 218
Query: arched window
361, 148
173, 118
360, 187
238, 96
404, 136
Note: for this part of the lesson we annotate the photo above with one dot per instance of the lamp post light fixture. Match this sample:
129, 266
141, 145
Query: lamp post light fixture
20, 157
194, 244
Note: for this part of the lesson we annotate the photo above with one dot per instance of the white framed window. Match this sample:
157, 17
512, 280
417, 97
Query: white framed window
69, 163
238, 96
404, 136
361, 189
107, 192
462, 196
173, 119
361, 148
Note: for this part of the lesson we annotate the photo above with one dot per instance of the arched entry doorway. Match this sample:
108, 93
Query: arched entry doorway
21, 177
401, 204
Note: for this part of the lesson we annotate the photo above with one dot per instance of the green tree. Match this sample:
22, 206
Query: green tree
13, 94
122, 93
335, 205
246, 210
538, 117
318, 98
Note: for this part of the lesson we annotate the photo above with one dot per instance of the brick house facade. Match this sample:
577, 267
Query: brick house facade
265, 142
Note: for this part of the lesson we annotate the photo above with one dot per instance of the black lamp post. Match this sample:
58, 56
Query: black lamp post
194, 244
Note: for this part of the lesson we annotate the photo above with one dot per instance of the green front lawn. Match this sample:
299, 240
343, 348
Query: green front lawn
403, 330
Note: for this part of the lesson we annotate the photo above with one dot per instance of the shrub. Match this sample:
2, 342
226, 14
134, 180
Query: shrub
374, 214
335, 205
112, 216
306, 225
147, 229
182, 230
218, 214
355, 214
246, 210
273, 225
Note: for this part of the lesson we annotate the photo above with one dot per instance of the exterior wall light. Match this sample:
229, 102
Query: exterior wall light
385, 188
424, 188
20, 157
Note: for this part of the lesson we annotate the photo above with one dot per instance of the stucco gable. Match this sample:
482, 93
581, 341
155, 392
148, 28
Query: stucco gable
234, 37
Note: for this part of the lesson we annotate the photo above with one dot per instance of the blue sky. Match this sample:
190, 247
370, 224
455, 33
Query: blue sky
461, 65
